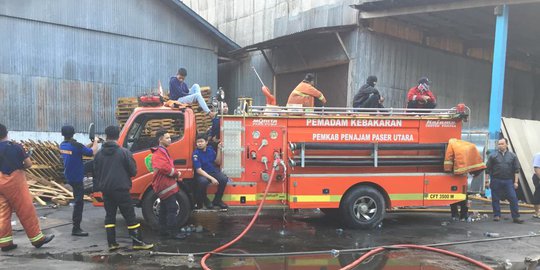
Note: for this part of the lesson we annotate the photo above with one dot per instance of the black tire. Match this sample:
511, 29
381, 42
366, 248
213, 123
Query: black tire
363, 207
150, 208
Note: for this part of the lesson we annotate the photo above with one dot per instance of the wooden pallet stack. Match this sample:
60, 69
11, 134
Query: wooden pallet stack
126, 105
124, 108
46, 160
203, 121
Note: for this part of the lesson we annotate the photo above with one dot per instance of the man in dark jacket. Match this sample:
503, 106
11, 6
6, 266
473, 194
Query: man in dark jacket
503, 170
368, 96
113, 168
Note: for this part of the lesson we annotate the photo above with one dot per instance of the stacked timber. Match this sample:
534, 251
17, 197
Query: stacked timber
46, 160
124, 108
203, 121
126, 105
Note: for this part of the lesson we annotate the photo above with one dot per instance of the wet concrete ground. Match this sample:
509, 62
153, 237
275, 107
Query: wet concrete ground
303, 231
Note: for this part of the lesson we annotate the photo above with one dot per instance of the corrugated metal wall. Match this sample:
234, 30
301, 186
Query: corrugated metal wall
455, 79
68, 61
239, 80
252, 21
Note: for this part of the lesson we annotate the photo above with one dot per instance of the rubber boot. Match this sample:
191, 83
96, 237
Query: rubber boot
10, 247
138, 244
46, 239
111, 239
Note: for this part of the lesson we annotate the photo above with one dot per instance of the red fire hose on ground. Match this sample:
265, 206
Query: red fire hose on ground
230, 243
347, 267
446, 252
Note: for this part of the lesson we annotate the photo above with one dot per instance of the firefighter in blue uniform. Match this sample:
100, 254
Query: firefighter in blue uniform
205, 160
72, 154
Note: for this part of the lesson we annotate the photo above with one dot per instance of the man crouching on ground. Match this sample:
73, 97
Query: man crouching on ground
205, 160
113, 168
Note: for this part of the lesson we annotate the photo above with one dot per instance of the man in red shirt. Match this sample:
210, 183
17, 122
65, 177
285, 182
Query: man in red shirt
165, 186
420, 97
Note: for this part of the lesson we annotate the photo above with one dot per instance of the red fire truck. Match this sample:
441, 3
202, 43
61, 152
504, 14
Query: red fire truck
350, 164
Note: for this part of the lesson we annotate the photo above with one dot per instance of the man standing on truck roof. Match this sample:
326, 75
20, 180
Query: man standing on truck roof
205, 160
165, 186
72, 154
368, 96
420, 96
305, 93
15, 196
503, 170
178, 90
113, 168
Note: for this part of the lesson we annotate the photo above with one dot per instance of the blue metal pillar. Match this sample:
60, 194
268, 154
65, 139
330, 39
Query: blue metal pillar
497, 76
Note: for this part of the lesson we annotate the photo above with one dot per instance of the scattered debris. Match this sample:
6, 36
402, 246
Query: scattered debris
42, 188
492, 234
507, 264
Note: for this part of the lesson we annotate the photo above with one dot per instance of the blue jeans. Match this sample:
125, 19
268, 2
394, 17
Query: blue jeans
195, 94
503, 189
203, 182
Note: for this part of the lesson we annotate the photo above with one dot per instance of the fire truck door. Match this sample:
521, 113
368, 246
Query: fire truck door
141, 137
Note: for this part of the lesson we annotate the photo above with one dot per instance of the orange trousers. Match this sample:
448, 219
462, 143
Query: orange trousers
15, 196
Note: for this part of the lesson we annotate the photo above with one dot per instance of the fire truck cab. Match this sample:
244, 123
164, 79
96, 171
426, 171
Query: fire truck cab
350, 164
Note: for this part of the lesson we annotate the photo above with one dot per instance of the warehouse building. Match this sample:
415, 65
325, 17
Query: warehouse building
68, 61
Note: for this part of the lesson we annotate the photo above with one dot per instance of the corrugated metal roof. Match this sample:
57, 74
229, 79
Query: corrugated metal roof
301, 35
372, 5
226, 44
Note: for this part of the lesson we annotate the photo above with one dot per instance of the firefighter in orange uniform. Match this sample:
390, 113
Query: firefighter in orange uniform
305, 92
14, 195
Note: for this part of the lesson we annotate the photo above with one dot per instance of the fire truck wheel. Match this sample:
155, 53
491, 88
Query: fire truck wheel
150, 208
362, 207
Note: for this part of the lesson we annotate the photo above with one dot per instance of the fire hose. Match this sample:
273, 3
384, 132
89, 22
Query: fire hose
446, 252
277, 162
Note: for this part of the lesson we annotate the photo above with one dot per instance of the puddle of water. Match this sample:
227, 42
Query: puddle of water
394, 260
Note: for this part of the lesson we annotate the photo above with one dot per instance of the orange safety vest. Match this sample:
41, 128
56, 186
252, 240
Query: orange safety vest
462, 157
